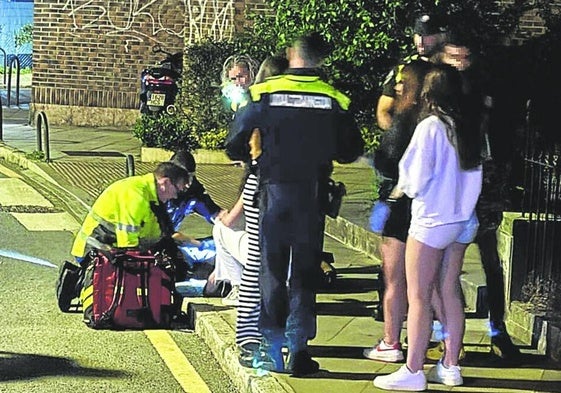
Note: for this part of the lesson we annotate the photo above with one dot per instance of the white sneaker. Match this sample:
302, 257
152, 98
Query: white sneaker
402, 379
232, 299
449, 376
384, 352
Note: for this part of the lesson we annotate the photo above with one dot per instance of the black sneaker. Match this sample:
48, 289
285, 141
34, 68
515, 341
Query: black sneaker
502, 345
301, 363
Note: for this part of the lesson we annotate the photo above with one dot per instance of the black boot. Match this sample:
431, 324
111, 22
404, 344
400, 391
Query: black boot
301, 363
501, 343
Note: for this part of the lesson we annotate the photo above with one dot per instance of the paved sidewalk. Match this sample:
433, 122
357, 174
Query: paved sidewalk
84, 160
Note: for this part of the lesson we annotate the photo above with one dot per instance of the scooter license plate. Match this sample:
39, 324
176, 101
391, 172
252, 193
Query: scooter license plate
156, 99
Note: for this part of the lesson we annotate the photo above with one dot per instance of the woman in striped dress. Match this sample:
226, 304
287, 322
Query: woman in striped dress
248, 336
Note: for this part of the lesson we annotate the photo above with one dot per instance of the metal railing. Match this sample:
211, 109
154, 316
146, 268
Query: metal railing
13, 60
541, 206
1, 122
5, 64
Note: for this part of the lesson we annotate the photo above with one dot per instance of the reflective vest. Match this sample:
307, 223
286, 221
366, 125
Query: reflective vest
121, 217
304, 124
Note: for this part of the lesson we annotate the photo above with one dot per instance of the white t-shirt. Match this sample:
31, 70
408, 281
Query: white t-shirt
430, 173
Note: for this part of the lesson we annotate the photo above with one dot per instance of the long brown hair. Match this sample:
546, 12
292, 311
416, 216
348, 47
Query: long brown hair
442, 96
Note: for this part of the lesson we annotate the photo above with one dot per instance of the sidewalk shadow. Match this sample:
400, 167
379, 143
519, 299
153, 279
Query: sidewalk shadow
473, 359
19, 366
346, 308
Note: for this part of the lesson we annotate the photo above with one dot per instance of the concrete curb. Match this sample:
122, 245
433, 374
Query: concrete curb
220, 337
76, 206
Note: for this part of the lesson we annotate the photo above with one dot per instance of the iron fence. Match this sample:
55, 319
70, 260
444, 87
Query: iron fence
542, 208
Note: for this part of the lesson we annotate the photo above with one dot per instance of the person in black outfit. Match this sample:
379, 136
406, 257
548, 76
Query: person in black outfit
304, 125
494, 196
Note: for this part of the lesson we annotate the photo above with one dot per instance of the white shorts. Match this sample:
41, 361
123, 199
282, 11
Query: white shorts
441, 236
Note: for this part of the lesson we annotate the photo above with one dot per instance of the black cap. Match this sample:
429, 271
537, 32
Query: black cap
428, 25
459, 38
184, 160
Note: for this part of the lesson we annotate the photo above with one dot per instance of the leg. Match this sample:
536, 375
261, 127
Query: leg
395, 294
487, 243
450, 293
231, 253
421, 267
394, 302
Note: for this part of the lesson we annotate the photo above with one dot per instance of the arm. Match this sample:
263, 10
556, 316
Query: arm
237, 141
417, 164
384, 112
233, 215
198, 200
182, 238
350, 144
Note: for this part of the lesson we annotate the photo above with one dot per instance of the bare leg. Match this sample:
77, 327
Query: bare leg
422, 264
395, 295
450, 290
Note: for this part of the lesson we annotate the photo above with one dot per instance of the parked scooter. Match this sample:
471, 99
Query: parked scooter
160, 85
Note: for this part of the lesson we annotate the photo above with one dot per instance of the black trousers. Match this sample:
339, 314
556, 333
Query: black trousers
291, 240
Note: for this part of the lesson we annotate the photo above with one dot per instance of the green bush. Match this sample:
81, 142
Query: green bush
369, 37
166, 131
201, 99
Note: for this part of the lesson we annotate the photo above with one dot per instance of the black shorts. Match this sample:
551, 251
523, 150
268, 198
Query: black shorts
397, 225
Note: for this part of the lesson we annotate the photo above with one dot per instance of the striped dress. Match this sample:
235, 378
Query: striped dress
247, 323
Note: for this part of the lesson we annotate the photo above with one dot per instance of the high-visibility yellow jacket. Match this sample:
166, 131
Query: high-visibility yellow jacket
121, 217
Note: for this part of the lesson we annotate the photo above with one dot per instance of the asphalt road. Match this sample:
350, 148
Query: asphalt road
44, 350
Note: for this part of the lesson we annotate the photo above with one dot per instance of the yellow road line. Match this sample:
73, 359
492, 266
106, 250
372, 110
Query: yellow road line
176, 361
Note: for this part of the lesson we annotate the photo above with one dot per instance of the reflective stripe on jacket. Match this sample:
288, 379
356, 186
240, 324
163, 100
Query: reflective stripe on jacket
304, 125
121, 217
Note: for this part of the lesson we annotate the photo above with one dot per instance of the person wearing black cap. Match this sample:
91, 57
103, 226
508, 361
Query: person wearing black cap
429, 33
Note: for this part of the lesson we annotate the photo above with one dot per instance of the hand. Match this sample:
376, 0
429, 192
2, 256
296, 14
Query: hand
211, 278
206, 244
221, 214
227, 220
396, 193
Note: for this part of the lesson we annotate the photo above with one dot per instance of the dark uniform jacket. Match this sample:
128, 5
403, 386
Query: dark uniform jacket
304, 124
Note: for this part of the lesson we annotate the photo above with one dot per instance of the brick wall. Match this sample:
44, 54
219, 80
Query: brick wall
244, 7
88, 55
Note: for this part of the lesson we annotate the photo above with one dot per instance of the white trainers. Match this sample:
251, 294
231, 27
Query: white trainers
384, 352
232, 299
449, 376
402, 379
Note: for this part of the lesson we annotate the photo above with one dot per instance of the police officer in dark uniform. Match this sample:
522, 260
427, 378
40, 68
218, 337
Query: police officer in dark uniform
429, 33
304, 124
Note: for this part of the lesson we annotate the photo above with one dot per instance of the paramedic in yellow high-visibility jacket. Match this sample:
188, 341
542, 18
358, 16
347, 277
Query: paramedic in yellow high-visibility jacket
125, 214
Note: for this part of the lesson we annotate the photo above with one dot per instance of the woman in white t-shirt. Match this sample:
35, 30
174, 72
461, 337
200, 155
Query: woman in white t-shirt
441, 172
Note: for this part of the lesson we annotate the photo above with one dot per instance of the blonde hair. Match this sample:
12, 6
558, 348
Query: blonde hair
239, 60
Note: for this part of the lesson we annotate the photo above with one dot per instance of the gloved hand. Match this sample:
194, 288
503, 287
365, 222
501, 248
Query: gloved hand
207, 244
